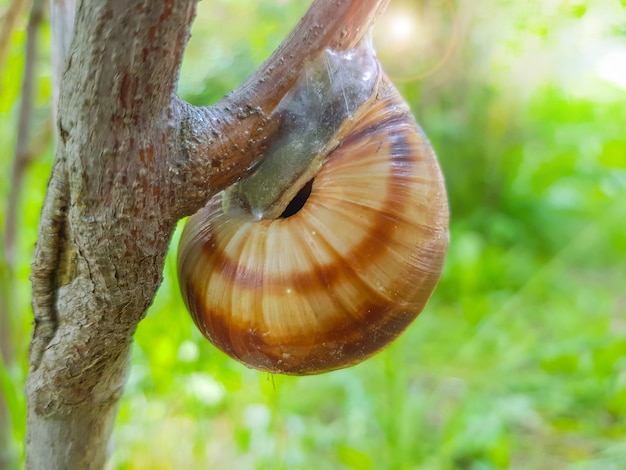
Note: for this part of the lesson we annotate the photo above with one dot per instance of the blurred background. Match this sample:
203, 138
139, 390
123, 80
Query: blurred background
519, 360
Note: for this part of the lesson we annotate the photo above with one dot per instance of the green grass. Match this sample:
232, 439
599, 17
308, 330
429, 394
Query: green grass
529, 377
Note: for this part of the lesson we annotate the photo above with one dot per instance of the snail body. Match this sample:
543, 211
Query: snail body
324, 275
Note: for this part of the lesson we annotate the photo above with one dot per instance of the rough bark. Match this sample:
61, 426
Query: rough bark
131, 160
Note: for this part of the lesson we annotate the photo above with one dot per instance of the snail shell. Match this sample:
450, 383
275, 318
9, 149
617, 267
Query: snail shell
343, 270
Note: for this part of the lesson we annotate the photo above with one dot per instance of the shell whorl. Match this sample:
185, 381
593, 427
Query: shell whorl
337, 281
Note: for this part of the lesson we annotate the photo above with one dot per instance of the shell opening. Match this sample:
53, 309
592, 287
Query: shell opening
298, 201
330, 92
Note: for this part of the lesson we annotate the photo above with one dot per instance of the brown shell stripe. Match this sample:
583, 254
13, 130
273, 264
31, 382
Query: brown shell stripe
370, 312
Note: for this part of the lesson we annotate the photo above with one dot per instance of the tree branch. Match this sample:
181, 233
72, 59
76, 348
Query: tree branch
102, 240
131, 160
232, 134
338, 25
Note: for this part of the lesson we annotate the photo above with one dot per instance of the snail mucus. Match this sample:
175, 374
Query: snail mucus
333, 245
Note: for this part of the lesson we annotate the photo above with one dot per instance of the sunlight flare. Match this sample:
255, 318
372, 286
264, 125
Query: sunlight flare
612, 68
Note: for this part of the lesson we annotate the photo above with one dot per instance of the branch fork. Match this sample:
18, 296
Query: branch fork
132, 159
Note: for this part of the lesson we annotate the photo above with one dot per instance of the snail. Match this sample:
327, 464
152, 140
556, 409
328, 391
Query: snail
330, 249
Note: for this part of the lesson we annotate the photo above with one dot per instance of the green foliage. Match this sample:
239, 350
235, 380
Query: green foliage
519, 360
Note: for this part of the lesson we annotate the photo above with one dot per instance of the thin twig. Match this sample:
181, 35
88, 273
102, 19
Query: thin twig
23, 156
7, 28
20, 161
6, 357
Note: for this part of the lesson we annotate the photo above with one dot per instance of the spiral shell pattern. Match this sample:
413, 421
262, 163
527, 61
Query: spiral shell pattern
337, 281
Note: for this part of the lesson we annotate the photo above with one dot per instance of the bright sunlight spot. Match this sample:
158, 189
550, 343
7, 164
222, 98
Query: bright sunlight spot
404, 42
403, 28
612, 68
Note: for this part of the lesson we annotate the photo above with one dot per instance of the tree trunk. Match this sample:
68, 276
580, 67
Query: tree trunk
131, 160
